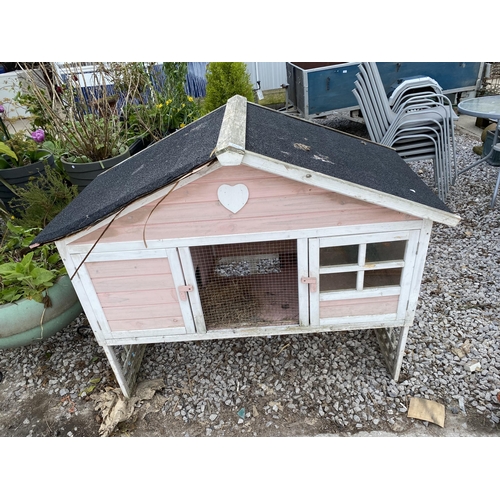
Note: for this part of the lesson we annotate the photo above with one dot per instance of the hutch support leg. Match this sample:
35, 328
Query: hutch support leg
392, 343
126, 368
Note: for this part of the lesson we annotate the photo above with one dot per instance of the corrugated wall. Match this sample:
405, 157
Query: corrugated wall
270, 74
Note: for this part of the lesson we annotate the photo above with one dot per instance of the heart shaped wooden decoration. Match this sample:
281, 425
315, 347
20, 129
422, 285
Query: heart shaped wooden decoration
234, 198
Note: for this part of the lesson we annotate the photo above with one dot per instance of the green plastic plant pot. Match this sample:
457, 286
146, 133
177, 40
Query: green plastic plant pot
82, 174
27, 321
19, 177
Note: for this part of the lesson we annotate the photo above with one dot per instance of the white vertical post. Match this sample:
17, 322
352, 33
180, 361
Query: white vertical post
303, 270
314, 296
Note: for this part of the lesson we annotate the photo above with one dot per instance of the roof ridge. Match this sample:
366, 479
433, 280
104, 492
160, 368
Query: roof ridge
231, 143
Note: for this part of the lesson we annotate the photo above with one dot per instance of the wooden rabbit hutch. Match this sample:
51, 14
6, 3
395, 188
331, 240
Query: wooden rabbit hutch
248, 222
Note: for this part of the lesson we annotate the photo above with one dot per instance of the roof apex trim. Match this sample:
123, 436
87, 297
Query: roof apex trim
230, 147
347, 188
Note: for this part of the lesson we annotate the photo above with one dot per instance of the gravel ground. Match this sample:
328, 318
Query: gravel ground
302, 385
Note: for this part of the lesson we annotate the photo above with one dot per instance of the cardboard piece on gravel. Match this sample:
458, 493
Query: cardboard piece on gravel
424, 409
115, 408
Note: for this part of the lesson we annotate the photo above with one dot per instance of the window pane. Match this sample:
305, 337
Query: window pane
337, 281
382, 277
336, 256
388, 250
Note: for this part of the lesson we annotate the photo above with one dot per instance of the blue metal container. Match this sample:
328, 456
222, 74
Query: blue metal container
316, 89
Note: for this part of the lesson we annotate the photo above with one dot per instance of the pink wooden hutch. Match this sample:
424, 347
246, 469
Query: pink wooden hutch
248, 222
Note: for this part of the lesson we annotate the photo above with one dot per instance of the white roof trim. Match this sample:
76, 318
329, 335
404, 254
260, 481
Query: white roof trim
350, 189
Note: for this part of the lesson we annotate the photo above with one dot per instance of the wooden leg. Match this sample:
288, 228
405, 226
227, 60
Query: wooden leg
400, 350
127, 368
392, 343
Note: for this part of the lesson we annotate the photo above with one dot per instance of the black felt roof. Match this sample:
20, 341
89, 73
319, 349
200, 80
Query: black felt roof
276, 135
270, 133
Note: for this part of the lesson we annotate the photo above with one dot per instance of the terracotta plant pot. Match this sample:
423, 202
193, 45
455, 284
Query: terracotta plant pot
27, 321
82, 174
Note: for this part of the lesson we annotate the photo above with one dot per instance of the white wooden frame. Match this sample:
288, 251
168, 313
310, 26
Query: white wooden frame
417, 233
403, 290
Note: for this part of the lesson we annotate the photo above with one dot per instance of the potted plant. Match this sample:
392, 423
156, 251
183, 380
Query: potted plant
98, 115
37, 298
22, 158
79, 116
156, 102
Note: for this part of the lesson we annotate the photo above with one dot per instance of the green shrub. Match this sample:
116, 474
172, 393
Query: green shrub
42, 199
225, 80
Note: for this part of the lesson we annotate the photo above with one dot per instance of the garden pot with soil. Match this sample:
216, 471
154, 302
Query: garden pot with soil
27, 321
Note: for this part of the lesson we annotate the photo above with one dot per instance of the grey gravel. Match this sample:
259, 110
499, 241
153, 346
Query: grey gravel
332, 383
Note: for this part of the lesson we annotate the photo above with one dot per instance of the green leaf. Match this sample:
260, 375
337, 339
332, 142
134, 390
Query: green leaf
54, 258
42, 276
27, 259
5, 150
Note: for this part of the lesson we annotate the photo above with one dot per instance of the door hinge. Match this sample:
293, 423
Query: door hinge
183, 289
312, 282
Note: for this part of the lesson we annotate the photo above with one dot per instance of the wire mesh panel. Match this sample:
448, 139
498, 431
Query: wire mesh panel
247, 284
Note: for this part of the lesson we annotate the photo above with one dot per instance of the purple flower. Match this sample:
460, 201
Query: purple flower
38, 135
2, 109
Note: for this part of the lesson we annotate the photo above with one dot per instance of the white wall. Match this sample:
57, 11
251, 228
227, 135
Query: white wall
270, 74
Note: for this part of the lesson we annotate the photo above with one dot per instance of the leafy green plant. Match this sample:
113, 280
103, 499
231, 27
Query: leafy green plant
80, 117
94, 116
157, 103
26, 274
93, 138
4, 132
42, 199
20, 150
225, 80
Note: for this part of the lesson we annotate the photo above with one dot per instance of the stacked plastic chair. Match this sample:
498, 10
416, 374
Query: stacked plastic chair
419, 125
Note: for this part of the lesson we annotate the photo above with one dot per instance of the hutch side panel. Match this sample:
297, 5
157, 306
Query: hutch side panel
137, 294
274, 203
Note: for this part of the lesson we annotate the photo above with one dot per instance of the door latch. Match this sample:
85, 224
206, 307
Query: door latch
312, 282
183, 289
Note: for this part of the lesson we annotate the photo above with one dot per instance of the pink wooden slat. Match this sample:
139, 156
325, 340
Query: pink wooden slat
358, 307
261, 207
145, 324
135, 268
209, 226
191, 205
131, 298
143, 312
251, 225
150, 283
206, 189
234, 174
